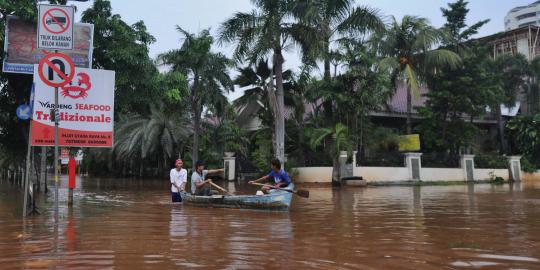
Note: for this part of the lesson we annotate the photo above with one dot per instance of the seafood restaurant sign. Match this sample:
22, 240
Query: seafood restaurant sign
86, 110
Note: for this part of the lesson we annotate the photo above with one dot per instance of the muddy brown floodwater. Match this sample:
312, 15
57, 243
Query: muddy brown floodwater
130, 224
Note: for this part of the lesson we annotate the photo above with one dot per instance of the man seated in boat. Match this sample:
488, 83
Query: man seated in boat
200, 184
178, 177
280, 177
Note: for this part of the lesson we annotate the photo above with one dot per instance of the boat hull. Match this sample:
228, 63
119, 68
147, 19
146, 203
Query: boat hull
275, 200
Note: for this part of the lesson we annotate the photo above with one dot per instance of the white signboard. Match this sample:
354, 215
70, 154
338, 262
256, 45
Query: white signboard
79, 156
55, 27
86, 106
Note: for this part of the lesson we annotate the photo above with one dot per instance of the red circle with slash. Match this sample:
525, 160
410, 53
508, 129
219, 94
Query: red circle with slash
51, 15
56, 77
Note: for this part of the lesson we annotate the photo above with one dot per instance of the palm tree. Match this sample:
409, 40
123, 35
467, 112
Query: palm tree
334, 140
321, 21
407, 48
157, 135
224, 134
257, 79
265, 30
206, 71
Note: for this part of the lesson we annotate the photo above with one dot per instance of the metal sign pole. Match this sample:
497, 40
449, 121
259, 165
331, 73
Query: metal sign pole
56, 167
27, 173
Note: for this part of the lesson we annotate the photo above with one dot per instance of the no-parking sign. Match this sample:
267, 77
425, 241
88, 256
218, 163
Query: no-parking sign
55, 27
56, 69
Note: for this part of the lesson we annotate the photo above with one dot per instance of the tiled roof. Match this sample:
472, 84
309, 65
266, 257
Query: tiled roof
395, 106
398, 102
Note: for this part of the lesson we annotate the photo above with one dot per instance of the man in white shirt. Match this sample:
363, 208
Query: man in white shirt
178, 181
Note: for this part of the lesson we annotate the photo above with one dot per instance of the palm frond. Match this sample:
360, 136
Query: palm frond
388, 64
412, 80
362, 19
441, 58
317, 136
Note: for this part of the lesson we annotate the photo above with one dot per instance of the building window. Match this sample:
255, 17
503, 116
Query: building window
526, 15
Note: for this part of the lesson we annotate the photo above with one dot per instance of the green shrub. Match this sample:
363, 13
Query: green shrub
528, 166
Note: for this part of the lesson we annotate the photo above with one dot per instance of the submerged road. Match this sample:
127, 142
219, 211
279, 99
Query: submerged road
131, 224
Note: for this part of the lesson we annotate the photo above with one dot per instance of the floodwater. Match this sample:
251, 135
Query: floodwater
130, 224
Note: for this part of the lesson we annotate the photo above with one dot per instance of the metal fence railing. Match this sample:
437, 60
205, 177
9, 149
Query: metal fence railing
490, 162
317, 159
440, 160
245, 165
380, 159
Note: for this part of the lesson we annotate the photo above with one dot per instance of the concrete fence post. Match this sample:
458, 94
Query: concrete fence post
413, 162
467, 164
343, 164
229, 164
514, 167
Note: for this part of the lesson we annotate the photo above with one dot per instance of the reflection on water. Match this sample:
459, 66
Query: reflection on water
125, 224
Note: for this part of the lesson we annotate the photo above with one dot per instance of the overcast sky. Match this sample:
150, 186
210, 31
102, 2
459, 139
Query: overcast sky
161, 16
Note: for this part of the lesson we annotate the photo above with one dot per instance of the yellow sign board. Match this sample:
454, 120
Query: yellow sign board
409, 142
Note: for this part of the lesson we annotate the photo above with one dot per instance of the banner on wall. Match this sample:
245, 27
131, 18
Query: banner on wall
86, 110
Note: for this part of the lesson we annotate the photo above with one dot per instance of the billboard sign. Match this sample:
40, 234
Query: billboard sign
86, 110
22, 51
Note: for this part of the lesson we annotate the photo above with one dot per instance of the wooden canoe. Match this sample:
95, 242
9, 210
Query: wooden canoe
274, 200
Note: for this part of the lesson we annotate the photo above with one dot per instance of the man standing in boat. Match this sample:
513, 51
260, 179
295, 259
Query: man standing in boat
280, 177
200, 185
178, 177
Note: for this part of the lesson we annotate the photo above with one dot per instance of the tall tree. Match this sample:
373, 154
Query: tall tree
265, 30
459, 95
510, 73
257, 79
123, 48
408, 52
456, 26
324, 21
206, 71
157, 135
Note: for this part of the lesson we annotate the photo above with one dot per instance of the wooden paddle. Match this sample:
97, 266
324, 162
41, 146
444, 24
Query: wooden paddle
220, 188
300, 192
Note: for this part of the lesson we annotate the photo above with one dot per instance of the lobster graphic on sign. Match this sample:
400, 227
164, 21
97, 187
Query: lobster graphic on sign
79, 90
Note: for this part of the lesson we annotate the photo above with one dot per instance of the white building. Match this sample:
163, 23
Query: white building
522, 16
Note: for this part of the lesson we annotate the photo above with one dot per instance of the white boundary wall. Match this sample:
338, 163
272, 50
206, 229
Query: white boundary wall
401, 174
442, 174
382, 174
313, 174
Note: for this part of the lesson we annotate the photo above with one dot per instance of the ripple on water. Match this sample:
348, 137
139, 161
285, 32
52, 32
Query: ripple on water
374, 228
508, 258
